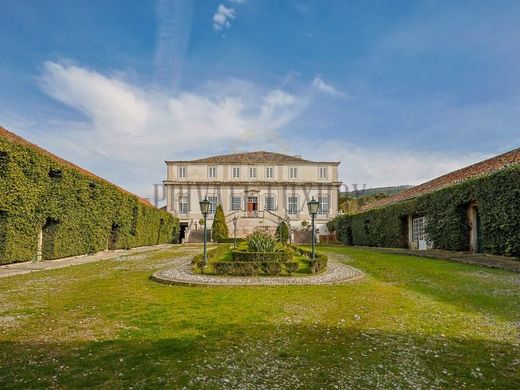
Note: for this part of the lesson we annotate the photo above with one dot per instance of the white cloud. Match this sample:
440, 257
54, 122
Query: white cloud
107, 102
222, 17
380, 166
321, 86
128, 130
140, 127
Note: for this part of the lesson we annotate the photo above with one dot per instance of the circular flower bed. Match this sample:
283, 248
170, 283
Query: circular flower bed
260, 254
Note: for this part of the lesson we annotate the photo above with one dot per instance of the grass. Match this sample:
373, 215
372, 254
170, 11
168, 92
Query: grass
411, 323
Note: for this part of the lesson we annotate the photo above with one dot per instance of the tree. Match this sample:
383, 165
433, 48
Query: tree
282, 232
219, 229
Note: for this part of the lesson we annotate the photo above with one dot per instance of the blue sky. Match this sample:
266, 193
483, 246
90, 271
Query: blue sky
399, 91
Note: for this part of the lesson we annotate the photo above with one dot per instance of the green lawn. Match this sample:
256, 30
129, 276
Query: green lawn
411, 323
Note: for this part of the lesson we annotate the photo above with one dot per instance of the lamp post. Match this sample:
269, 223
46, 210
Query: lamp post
235, 219
289, 230
204, 209
313, 206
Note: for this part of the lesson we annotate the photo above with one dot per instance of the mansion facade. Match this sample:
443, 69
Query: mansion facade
258, 188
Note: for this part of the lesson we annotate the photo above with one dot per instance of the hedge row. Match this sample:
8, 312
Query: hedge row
498, 200
230, 240
78, 212
320, 260
212, 253
280, 257
253, 268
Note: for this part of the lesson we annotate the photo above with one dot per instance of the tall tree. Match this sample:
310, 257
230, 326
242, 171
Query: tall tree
219, 229
282, 232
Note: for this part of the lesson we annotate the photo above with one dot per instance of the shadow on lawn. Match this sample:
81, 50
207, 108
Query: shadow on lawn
469, 287
292, 356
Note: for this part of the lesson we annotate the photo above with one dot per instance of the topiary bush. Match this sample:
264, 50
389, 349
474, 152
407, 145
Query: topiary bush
237, 268
219, 229
291, 267
282, 232
78, 212
318, 264
271, 267
281, 256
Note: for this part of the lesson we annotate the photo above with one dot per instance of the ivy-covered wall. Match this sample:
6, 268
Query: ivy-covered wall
78, 213
496, 195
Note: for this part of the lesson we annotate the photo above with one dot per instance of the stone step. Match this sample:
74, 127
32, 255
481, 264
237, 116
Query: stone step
197, 236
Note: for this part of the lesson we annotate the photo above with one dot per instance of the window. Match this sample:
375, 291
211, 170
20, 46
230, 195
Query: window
322, 174
182, 172
236, 172
323, 209
269, 172
270, 203
212, 172
4, 159
183, 205
293, 172
252, 172
236, 202
292, 205
213, 206
418, 229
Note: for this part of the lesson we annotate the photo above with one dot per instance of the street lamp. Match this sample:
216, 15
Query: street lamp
313, 206
204, 209
289, 230
235, 219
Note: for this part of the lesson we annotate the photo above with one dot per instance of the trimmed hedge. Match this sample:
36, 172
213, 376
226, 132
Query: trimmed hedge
320, 260
280, 257
253, 268
267, 263
498, 199
219, 229
78, 212
230, 240
211, 254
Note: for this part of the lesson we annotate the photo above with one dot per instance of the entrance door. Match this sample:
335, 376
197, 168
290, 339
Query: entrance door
418, 234
182, 231
475, 239
252, 205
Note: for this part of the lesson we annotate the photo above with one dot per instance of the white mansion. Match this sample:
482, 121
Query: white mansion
259, 188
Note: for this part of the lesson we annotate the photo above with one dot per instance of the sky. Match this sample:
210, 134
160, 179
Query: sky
398, 91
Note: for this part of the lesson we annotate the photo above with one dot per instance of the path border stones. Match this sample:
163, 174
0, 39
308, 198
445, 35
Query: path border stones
181, 274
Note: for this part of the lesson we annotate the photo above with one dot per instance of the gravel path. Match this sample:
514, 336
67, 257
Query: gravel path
182, 274
36, 266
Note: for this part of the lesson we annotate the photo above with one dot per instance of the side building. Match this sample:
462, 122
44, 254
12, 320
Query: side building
476, 208
258, 188
51, 208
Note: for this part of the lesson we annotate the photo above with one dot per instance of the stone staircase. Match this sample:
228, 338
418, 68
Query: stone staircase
248, 223
197, 236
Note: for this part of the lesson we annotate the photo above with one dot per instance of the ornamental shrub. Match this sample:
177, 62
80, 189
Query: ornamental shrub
237, 268
262, 242
291, 267
219, 229
271, 268
318, 264
78, 213
282, 232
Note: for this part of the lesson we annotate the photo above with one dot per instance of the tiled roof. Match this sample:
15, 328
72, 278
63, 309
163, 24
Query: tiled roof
481, 168
247, 158
21, 141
